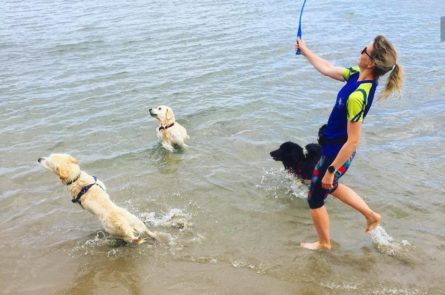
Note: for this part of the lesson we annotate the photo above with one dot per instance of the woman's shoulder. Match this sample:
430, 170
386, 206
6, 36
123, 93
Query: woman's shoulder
348, 72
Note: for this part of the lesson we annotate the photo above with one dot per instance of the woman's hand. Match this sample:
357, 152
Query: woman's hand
300, 44
327, 181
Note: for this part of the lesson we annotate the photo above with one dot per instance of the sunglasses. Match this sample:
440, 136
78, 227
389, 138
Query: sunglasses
364, 51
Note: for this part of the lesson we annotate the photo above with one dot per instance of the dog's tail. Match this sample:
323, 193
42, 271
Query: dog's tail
160, 237
140, 241
157, 238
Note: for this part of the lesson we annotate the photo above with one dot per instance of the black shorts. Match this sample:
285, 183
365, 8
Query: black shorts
317, 194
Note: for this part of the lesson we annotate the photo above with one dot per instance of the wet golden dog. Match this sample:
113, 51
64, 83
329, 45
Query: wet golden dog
169, 132
91, 194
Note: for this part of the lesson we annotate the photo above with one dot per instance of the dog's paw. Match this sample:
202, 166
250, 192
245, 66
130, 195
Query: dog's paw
168, 147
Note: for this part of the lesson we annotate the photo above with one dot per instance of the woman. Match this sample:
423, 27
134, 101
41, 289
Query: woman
340, 136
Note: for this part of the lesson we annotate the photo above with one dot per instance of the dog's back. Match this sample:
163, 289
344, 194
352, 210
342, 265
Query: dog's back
313, 153
116, 220
295, 160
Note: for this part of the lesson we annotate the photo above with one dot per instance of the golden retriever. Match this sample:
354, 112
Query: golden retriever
169, 132
91, 194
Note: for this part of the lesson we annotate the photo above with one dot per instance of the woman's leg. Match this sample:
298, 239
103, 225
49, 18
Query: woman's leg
316, 196
351, 198
320, 218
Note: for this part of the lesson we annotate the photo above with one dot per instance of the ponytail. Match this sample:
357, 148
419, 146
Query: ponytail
394, 83
385, 57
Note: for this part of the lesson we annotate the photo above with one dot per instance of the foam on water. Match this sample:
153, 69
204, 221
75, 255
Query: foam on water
259, 268
396, 291
101, 243
177, 223
280, 183
386, 244
355, 287
342, 286
174, 218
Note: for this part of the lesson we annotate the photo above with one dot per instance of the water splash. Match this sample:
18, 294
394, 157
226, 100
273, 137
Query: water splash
174, 218
178, 221
99, 244
299, 189
280, 183
386, 244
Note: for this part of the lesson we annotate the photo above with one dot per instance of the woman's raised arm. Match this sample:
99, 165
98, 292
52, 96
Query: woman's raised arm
320, 64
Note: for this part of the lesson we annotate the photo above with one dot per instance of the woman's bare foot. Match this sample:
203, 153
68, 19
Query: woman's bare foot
315, 246
373, 221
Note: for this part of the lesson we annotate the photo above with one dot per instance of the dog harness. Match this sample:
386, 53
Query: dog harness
166, 127
84, 190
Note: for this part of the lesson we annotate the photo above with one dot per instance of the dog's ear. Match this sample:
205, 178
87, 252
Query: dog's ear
297, 153
73, 160
169, 116
62, 172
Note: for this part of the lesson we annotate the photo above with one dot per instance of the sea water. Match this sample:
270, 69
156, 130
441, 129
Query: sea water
79, 77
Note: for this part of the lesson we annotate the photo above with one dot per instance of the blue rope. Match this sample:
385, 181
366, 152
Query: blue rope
299, 27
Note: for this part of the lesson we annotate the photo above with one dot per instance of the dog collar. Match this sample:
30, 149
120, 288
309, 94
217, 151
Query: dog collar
74, 180
166, 127
84, 190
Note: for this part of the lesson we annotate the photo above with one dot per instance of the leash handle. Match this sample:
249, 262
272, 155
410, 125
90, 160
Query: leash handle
298, 52
299, 33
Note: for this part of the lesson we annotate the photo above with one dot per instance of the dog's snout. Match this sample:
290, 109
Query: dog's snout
274, 155
39, 160
152, 112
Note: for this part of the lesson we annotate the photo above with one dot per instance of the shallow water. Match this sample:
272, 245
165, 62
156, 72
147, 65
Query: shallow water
79, 77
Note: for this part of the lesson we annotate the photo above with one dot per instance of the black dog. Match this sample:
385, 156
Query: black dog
295, 160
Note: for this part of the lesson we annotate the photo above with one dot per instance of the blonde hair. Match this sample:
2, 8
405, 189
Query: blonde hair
385, 57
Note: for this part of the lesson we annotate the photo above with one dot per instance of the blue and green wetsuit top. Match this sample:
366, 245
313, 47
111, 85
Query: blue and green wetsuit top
353, 103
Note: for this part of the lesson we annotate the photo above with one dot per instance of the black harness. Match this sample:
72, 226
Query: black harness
323, 140
84, 190
166, 127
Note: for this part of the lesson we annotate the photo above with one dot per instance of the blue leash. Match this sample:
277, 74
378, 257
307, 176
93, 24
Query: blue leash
299, 27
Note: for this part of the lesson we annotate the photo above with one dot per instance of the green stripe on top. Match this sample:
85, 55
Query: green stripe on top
348, 72
357, 102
